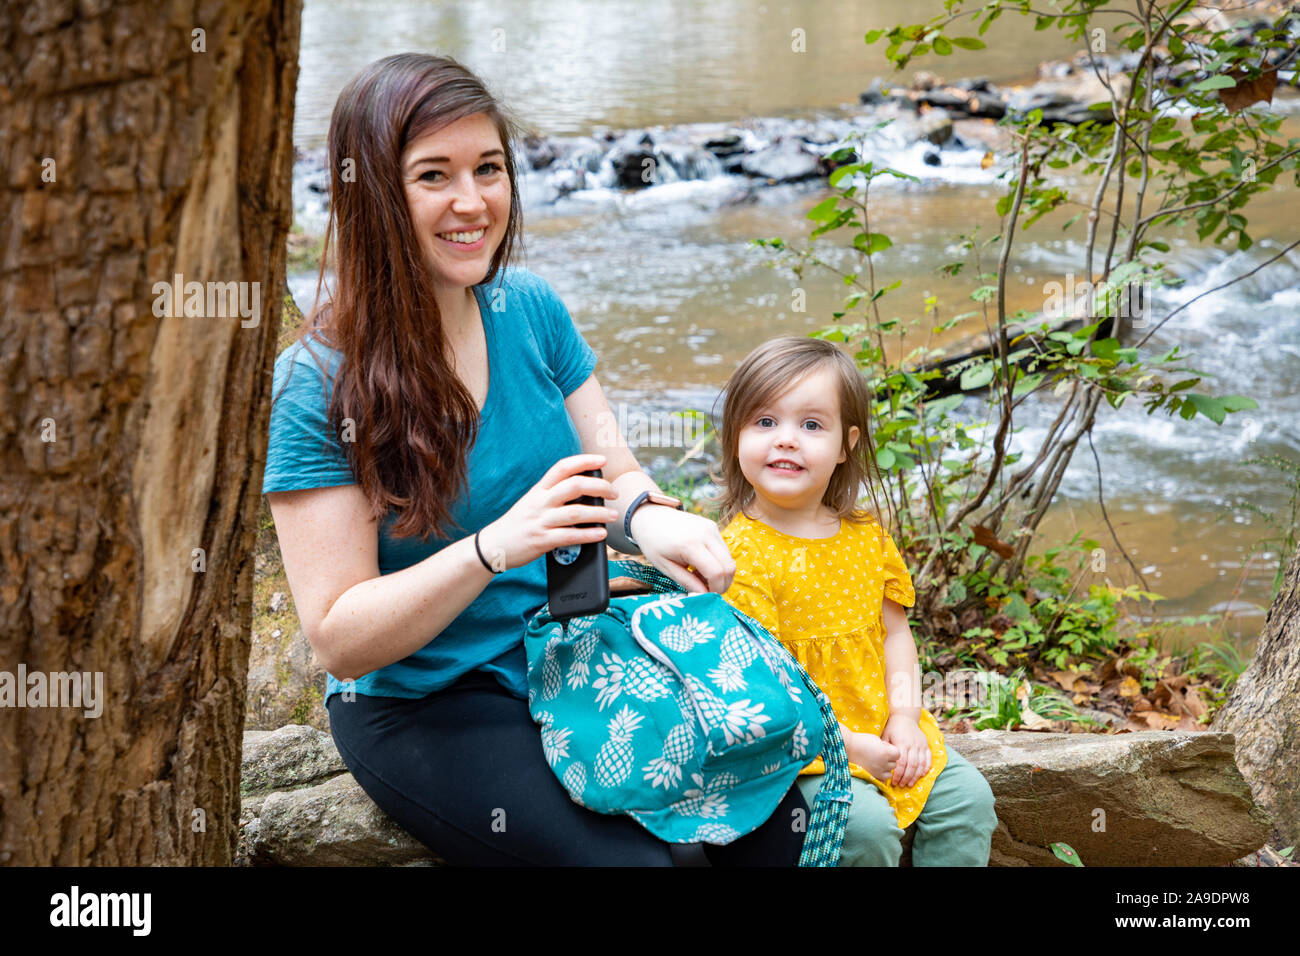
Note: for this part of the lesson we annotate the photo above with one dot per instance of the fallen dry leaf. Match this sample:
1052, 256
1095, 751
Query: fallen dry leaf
1176, 682
985, 536
1033, 721
1247, 91
1158, 721
1130, 667
1129, 687
1066, 680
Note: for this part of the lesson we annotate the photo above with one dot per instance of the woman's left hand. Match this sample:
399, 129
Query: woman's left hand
675, 540
914, 759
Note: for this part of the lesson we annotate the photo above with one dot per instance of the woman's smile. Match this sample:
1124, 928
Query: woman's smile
470, 241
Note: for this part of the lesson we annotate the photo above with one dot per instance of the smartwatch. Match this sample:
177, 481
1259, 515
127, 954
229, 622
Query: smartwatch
647, 497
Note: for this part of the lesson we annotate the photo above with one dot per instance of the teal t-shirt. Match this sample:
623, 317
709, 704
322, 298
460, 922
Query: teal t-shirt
536, 358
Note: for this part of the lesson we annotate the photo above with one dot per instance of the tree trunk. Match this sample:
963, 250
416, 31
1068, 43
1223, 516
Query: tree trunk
1263, 711
140, 141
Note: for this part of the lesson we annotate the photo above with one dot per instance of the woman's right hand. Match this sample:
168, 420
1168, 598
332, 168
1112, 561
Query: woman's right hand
542, 519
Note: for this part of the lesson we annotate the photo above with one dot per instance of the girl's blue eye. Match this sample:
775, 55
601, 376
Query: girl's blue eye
491, 167
764, 419
813, 423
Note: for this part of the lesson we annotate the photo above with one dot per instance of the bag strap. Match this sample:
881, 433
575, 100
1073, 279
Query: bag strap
648, 574
830, 812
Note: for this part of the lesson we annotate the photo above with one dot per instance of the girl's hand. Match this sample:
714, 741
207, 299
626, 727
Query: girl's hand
914, 759
674, 540
870, 753
542, 520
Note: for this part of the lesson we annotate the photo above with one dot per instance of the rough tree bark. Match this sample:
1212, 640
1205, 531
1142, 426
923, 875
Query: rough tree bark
1263, 711
133, 148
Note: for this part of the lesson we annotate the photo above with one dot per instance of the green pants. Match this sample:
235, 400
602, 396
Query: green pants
955, 827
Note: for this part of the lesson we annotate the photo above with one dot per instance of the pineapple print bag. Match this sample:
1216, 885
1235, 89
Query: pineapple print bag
685, 714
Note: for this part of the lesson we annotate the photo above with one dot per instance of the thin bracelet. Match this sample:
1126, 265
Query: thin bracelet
480, 553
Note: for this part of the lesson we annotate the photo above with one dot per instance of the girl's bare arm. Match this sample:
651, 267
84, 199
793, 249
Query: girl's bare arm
902, 667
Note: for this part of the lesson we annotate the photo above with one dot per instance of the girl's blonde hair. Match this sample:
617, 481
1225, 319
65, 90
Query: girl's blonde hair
765, 373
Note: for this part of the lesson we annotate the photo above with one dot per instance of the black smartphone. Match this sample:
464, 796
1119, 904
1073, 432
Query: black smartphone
577, 576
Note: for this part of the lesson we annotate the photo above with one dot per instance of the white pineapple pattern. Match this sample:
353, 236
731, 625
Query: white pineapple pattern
717, 833
640, 678
551, 670
579, 667
799, 741
682, 637
769, 768
712, 708
575, 779
664, 607
737, 653
679, 747
706, 801
775, 657
744, 722
614, 759
555, 743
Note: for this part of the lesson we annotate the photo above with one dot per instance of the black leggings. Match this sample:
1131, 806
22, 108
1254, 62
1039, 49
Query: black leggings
462, 770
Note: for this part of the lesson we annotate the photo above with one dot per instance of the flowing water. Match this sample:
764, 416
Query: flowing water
666, 287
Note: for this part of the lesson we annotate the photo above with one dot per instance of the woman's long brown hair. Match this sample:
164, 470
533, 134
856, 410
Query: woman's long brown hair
414, 421
766, 372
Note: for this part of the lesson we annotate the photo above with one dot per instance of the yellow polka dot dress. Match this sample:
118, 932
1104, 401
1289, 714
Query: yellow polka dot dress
823, 599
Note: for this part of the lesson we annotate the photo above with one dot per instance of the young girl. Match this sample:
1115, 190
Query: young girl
827, 580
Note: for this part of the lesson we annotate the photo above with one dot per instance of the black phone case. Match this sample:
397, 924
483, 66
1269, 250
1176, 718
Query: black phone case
581, 586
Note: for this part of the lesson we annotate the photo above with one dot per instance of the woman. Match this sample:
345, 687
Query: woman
428, 428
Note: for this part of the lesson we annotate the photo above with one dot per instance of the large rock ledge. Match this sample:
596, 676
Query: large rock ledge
1157, 798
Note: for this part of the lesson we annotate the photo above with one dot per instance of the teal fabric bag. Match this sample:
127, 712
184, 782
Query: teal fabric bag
685, 714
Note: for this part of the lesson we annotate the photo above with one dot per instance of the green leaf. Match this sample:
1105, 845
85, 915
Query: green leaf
942, 45
968, 43
871, 243
977, 376
1219, 82
824, 209
1016, 608
1105, 348
1237, 403
956, 592
884, 459
1208, 406
941, 406
873, 35
840, 172
1027, 384
1065, 853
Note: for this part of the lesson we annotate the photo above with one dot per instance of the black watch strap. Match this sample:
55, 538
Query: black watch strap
637, 502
